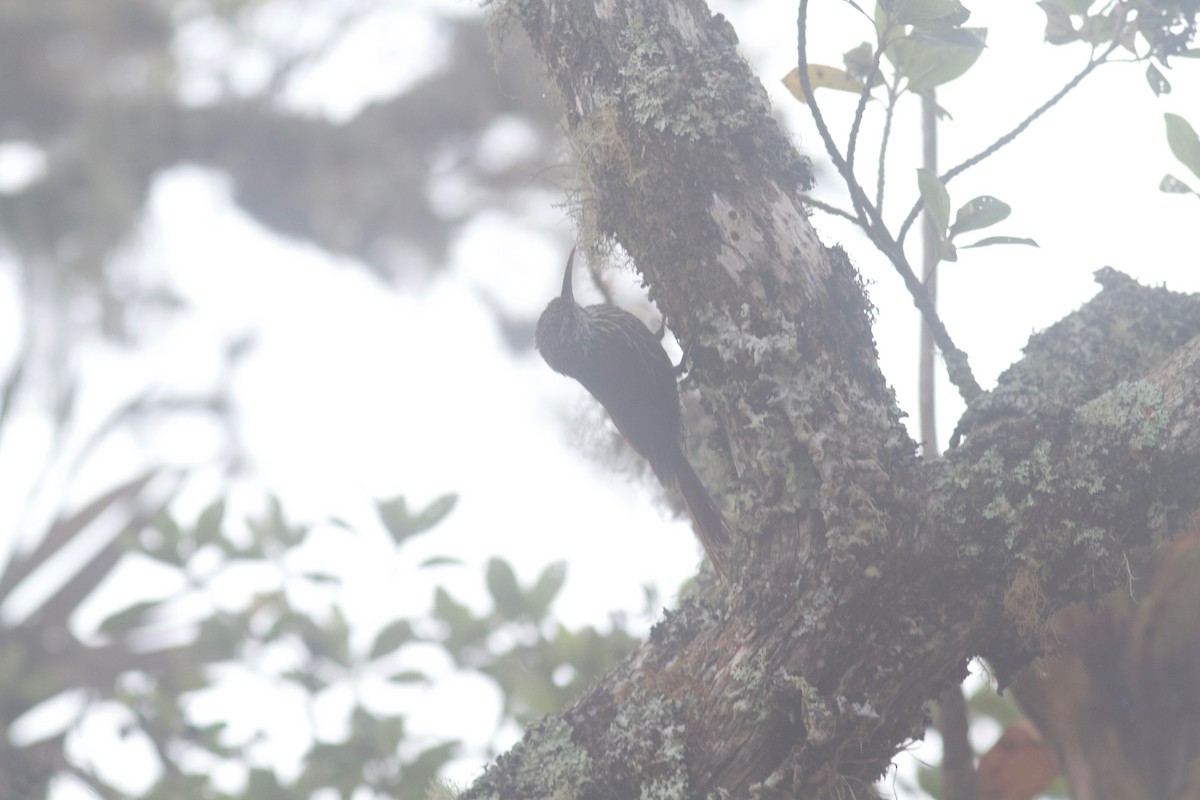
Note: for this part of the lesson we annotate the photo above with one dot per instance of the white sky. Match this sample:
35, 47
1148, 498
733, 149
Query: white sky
356, 392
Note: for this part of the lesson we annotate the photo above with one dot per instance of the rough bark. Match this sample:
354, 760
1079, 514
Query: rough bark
864, 578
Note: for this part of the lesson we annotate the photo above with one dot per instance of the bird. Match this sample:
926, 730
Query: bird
622, 364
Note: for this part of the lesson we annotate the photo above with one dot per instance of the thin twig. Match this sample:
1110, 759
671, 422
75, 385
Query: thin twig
828, 209
930, 245
888, 115
957, 366
862, 206
863, 97
1014, 133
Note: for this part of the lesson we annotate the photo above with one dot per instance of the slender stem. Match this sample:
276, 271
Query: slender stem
958, 761
888, 115
830, 209
862, 206
957, 365
863, 97
1014, 133
931, 244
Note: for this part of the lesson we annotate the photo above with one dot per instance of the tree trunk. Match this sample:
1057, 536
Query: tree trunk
863, 578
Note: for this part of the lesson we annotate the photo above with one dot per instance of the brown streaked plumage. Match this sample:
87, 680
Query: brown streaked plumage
621, 362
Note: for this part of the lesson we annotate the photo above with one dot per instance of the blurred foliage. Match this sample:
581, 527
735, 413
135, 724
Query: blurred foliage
546, 665
95, 90
1185, 146
987, 709
1157, 29
97, 96
154, 654
134, 658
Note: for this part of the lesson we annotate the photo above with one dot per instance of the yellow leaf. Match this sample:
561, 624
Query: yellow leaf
822, 76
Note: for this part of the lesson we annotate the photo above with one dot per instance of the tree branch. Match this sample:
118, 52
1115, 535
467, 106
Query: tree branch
864, 579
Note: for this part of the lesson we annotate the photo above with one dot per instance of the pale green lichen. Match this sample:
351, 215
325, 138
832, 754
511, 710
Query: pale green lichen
549, 759
1132, 411
695, 109
674, 784
820, 721
751, 696
662, 755
751, 670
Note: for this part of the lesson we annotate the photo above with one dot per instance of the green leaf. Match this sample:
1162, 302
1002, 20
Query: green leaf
321, 577
979, 213
465, 631
381, 734
449, 610
975, 38
289, 535
548, 585
859, 61
409, 676
394, 515
1173, 185
210, 738
1059, 27
883, 23
1076, 7
335, 768
930, 59
329, 639
128, 618
906, 12
303, 677
937, 199
401, 524
1181, 136
271, 531
1158, 82
1098, 29
991, 240
436, 511
502, 585
262, 782
391, 638
440, 561
208, 525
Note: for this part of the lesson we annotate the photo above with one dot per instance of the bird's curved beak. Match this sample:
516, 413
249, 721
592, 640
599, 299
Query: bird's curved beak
567, 294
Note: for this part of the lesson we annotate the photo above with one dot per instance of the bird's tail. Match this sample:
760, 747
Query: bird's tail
707, 519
